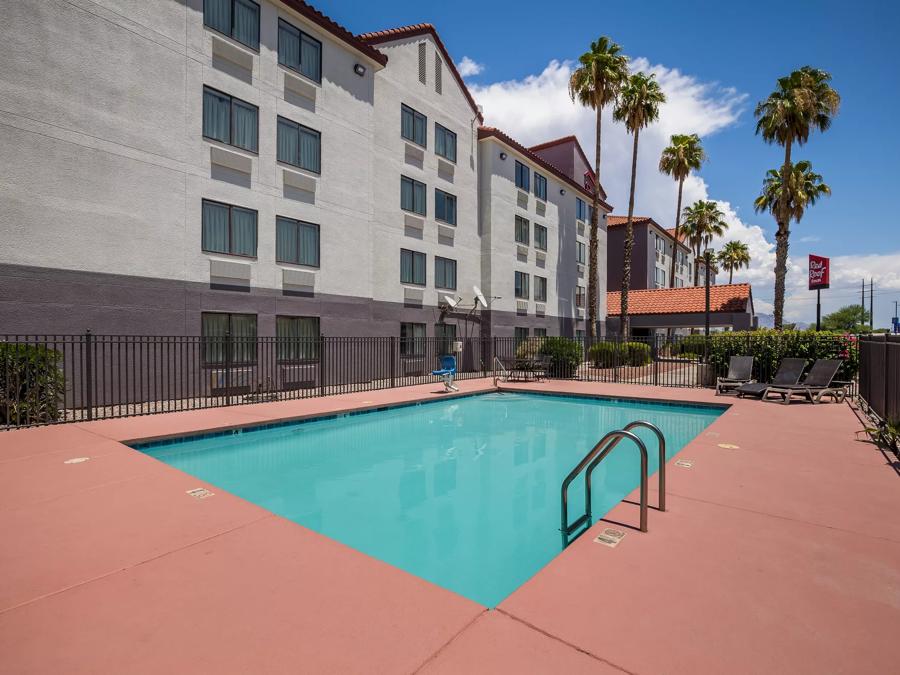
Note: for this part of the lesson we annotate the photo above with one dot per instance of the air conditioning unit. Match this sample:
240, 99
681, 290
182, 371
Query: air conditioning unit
299, 376
241, 380
522, 306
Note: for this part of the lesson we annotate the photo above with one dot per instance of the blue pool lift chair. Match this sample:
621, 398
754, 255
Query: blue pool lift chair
447, 372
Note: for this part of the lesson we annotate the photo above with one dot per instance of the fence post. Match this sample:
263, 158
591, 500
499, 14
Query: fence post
89, 374
228, 344
322, 343
393, 346
654, 354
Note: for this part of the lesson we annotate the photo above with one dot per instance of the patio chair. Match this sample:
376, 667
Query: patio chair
447, 372
819, 383
789, 372
740, 371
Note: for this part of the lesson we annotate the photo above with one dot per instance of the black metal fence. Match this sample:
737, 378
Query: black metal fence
879, 375
46, 379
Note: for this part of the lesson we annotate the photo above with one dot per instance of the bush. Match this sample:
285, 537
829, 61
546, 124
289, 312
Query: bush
31, 384
690, 346
609, 354
564, 353
529, 348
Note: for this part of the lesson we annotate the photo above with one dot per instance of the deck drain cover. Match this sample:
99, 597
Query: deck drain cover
76, 460
609, 537
200, 493
729, 446
686, 463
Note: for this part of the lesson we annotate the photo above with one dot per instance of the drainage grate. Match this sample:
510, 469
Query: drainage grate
76, 460
685, 463
609, 537
200, 493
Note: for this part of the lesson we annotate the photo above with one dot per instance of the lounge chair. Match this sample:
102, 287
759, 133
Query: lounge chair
740, 371
789, 372
819, 383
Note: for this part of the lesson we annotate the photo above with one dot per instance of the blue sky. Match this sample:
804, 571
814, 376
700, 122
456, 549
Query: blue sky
724, 57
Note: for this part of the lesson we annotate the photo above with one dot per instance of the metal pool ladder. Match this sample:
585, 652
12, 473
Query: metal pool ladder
597, 454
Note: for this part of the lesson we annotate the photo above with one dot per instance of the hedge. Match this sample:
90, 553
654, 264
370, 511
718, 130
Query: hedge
609, 354
31, 384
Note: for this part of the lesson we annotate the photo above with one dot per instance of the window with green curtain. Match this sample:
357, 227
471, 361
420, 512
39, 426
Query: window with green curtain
238, 19
230, 120
540, 186
296, 242
240, 330
412, 195
444, 142
522, 290
217, 15
413, 125
228, 229
540, 289
444, 273
244, 125
412, 339
444, 207
580, 252
540, 237
540, 332
523, 176
299, 51
299, 145
521, 230
297, 338
310, 57
412, 267
521, 334
445, 335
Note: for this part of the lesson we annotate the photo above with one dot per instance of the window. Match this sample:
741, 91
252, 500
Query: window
228, 338
679, 282
523, 175
296, 338
228, 229
412, 195
413, 126
299, 51
540, 332
660, 278
579, 297
238, 19
296, 242
444, 142
445, 334
521, 335
412, 339
230, 120
444, 273
444, 207
299, 145
521, 230
540, 237
540, 289
581, 211
412, 267
522, 286
580, 252
579, 334
540, 186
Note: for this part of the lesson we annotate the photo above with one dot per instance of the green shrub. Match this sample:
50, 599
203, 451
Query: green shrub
564, 353
31, 384
609, 354
690, 346
529, 348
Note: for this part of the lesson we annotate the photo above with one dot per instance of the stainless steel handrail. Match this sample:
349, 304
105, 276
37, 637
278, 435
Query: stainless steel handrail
503, 370
662, 464
595, 456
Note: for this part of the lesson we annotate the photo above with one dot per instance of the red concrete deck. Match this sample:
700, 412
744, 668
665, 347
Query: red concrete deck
779, 556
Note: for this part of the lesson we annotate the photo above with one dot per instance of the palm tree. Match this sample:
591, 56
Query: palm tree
596, 83
801, 102
703, 220
683, 155
638, 106
734, 256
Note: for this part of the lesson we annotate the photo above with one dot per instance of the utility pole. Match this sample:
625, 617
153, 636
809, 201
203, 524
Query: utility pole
871, 303
862, 303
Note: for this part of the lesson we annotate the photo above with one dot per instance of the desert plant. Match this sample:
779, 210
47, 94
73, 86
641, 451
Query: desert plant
31, 384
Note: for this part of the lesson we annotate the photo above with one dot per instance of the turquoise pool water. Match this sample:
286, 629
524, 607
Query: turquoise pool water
462, 492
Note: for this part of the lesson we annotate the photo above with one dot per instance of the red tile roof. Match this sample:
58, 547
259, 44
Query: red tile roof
689, 300
681, 235
314, 15
578, 148
614, 221
391, 34
487, 132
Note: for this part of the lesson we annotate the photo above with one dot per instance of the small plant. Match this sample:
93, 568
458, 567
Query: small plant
564, 354
31, 384
887, 434
610, 354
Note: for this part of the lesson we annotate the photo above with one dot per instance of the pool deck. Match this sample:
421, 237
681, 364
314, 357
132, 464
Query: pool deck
780, 555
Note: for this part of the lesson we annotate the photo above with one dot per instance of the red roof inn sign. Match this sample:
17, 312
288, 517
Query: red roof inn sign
818, 272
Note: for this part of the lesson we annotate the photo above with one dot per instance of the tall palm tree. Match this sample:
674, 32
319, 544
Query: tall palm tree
683, 155
596, 83
637, 106
703, 220
734, 255
801, 102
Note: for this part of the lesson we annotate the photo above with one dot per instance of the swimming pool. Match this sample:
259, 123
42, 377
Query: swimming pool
463, 492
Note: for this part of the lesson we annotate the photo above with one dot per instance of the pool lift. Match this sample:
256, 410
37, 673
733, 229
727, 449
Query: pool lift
447, 370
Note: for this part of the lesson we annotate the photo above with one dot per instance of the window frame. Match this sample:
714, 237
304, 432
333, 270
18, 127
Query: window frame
300, 35
540, 179
520, 334
253, 354
414, 182
523, 171
231, 34
580, 252
280, 118
455, 142
418, 343
537, 285
280, 342
438, 279
445, 196
526, 229
525, 286
255, 255
538, 226
231, 100
296, 222
444, 335
424, 267
416, 114
580, 292
581, 211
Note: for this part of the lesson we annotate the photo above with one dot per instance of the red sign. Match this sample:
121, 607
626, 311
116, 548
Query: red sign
818, 272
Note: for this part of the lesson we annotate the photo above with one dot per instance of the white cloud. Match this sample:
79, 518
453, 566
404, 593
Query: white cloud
538, 108
468, 67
